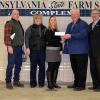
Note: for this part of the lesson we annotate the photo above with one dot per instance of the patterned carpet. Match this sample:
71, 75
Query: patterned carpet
28, 93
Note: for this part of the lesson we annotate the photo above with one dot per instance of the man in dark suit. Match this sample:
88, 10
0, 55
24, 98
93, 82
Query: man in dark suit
94, 40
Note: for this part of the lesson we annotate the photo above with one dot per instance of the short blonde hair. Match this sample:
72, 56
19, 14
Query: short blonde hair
35, 16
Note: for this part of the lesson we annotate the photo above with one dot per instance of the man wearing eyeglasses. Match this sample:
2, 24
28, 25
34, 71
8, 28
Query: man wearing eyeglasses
94, 49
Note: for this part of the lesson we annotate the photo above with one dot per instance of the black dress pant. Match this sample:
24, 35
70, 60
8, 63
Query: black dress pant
79, 66
37, 59
95, 71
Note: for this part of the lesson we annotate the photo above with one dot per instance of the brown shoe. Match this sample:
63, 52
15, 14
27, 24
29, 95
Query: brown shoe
9, 86
18, 84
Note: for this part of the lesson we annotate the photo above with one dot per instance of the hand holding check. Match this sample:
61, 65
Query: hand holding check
67, 36
63, 36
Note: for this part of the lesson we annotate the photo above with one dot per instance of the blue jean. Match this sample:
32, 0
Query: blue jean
14, 61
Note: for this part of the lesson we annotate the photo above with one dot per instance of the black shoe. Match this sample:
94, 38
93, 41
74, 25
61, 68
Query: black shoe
50, 87
97, 89
32, 86
18, 84
92, 88
41, 86
79, 88
9, 86
56, 85
71, 86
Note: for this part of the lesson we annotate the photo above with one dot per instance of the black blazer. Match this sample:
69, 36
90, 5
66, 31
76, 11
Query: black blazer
94, 40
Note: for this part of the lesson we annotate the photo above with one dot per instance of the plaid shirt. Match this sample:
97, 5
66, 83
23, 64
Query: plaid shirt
7, 33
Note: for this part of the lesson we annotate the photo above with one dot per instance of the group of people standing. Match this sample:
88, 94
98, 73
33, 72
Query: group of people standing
42, 45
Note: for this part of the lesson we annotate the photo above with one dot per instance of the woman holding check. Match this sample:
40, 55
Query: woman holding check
53, 48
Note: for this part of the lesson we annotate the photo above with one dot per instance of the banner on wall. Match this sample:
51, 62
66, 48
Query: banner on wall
48, 7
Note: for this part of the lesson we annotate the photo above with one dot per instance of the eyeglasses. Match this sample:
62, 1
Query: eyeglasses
94, 13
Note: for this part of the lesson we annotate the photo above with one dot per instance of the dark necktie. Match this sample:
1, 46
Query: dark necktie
93, 25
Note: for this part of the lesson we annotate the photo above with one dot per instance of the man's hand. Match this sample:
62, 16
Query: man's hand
28, 51
67, 36
10, 49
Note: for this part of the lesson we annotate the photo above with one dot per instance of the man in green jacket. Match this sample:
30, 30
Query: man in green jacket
14, 40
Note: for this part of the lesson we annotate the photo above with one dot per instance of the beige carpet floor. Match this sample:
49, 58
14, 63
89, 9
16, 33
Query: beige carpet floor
28, 93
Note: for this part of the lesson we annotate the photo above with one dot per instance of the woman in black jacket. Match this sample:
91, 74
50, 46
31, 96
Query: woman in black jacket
53, 48
35, 48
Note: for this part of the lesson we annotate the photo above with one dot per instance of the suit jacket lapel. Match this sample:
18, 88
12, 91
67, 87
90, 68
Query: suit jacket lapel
98, 23
91, 26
